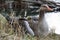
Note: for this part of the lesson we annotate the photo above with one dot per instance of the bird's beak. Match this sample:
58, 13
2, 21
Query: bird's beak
49, 9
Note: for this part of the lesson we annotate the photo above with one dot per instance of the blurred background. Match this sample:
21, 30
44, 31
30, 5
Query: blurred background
18, 19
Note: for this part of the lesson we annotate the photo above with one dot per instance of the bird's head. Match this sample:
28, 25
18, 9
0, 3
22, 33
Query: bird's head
45, 8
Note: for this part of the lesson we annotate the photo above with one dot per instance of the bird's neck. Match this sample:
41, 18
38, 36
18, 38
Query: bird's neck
41, 15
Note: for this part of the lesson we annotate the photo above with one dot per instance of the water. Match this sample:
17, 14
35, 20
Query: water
55, 0
53, 20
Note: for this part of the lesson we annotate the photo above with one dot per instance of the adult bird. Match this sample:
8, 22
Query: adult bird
41, 27
52, 19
